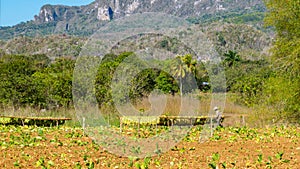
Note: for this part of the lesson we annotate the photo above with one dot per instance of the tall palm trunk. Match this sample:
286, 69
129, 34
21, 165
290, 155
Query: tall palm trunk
181, 92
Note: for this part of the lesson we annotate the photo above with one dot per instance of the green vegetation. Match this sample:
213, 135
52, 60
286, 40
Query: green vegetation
254, 17
66, 147
36, 81
184, 65
83, 21
30, 28
33, 81
267, 83
145, 82
53, 46
256, 81
283, 88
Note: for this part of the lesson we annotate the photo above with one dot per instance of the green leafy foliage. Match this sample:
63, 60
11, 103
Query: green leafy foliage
31, 80
105, 74
19, 144
36, 81
166, 83
184, 66
146, 80
16, 84
53, 46
255, 15
284, 16
54, 84
231, 57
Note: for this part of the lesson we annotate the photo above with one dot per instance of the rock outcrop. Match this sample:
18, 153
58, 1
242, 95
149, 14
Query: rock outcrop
104, 10
50, 13
85, 20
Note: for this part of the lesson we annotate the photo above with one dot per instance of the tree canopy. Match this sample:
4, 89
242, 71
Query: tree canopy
284, 86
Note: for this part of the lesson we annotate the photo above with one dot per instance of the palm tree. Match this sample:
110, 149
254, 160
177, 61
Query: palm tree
184, 64
231, 57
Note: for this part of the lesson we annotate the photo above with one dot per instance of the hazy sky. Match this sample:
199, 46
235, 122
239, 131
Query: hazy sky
13, 12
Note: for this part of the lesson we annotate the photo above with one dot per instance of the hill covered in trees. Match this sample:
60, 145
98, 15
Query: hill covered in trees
85, 20
261, 67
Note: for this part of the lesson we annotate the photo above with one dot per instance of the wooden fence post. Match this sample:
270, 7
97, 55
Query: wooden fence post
156, 128
121, 125
83, 125
139, 126
211, 129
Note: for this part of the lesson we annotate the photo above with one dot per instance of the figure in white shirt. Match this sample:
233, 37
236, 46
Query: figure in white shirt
218, 116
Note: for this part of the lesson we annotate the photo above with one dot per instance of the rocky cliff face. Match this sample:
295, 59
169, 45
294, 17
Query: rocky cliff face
85, 20
49, 13
105, 10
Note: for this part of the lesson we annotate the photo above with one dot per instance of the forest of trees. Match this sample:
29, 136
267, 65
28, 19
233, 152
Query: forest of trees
282, 89
269, 84
36, 81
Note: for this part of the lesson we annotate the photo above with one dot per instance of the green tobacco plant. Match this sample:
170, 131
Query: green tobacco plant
215, 161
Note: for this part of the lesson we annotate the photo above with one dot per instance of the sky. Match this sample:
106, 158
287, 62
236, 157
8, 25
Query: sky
13, 12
